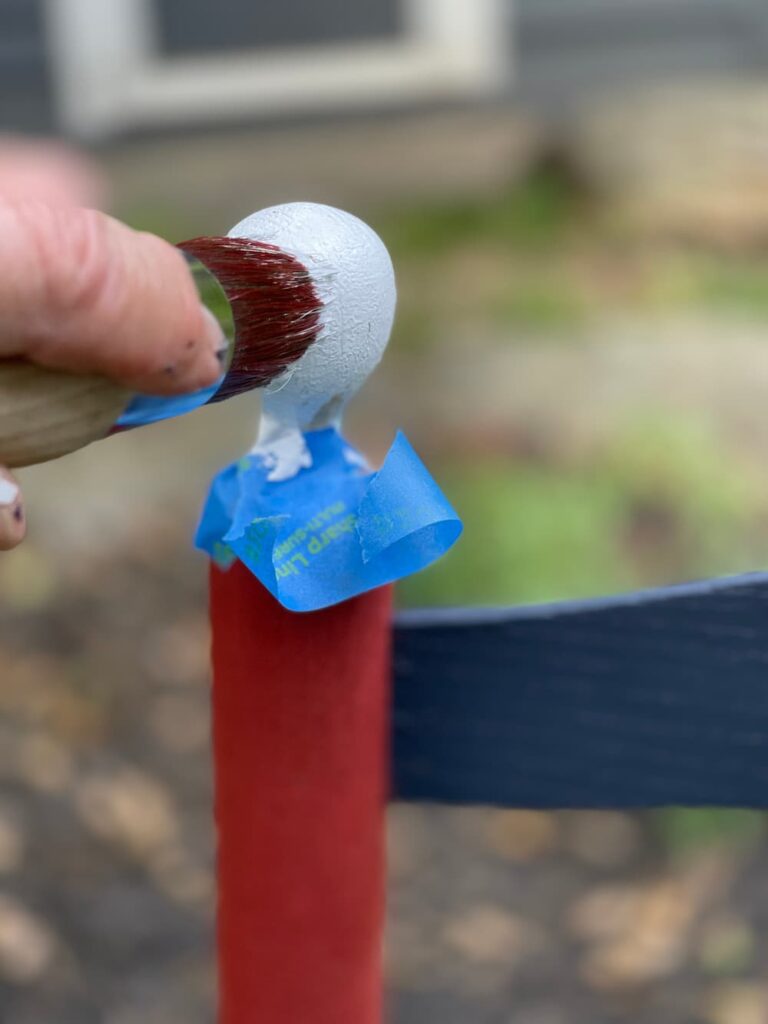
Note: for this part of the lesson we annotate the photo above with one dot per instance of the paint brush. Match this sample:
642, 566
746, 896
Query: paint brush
306, 295
304, 292
268, 309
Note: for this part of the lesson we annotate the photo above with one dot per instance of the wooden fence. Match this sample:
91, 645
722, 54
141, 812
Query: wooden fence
653, 698
647, 699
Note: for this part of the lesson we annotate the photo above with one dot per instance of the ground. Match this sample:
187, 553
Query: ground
106, 850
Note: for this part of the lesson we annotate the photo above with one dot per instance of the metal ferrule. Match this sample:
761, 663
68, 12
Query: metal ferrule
152, 408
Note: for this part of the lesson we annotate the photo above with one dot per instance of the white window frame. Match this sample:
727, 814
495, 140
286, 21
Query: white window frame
110, 75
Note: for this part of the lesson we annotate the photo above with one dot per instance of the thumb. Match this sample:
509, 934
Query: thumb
81, 292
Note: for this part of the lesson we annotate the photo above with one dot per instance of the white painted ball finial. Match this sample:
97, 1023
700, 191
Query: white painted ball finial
353, 277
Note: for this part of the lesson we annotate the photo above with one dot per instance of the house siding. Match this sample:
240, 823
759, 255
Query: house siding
565, 50
25, 86
571, 48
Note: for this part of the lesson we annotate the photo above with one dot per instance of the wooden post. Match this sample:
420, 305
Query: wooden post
301, 737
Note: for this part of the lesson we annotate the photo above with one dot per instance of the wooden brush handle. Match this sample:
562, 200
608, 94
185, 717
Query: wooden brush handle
45, 413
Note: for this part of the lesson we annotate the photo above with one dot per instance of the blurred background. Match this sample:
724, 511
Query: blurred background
575, 195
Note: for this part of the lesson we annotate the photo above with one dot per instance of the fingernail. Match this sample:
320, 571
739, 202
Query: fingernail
13, 524
214, 335
9, 491
216, 343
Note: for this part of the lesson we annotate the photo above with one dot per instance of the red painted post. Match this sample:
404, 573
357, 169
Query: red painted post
301, 735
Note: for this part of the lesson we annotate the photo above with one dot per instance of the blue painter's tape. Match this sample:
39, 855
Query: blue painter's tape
334, 530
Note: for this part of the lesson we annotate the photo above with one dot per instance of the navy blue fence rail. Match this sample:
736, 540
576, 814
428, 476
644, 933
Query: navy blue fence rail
654, 698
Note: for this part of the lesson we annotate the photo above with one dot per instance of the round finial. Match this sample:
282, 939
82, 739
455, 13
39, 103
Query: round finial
352, 273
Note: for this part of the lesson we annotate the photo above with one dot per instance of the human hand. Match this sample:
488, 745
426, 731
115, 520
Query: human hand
84, 293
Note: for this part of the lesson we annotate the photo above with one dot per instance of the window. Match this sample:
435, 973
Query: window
199, 27
123, 64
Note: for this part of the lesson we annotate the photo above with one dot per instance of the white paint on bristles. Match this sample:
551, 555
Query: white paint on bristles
354, 279
9, 491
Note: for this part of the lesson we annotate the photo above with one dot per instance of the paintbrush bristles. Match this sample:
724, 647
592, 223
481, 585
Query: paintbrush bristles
275, 307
